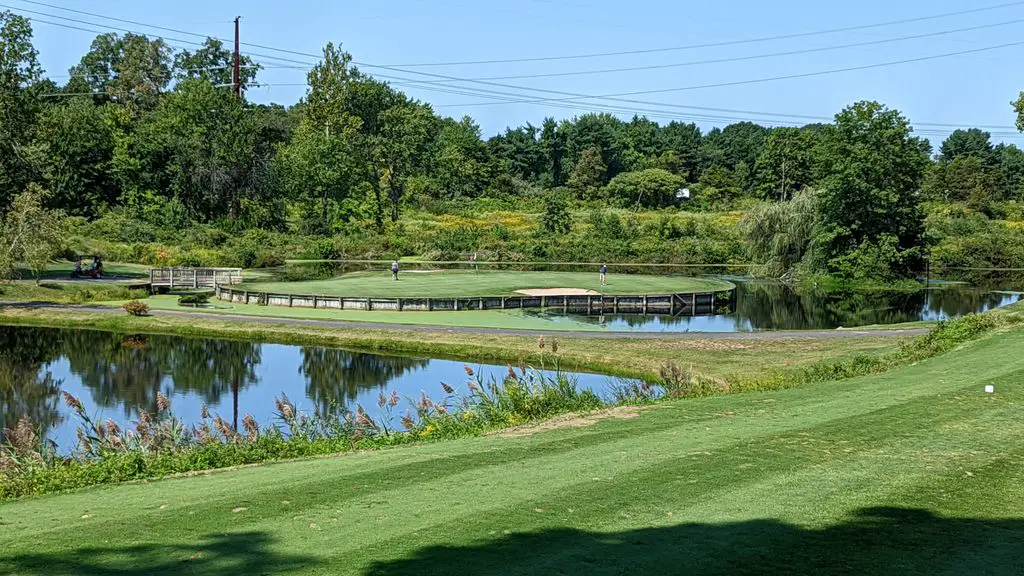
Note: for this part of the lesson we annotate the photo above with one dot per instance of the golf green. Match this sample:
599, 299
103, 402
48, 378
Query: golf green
439, 284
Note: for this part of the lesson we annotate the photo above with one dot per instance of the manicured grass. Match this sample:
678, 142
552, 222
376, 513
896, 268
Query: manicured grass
69, 292
916, 471
62, 270
485, 283
510, 319
736, 361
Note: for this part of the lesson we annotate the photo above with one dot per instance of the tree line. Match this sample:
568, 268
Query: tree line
159, 136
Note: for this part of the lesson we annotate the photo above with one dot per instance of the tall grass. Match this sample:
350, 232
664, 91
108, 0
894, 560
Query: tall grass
160, 444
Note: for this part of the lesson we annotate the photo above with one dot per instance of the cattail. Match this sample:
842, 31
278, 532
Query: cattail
511, 374
382, 400
83, 440
362, 418
473, 387
395, 399
540, 343
554, 346
163, 403
425, 402
284, 407
23, 438
73, 402
100, 431
204, 412
447, 389
112, 428
522, 365
252, 429
223, 428
408, 422
144, 417
441, 409
469, 371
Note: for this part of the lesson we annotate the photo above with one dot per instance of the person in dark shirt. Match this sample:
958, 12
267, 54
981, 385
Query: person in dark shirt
394, 270
604, 274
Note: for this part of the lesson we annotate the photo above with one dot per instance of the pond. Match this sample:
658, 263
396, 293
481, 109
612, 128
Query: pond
758, 305
114, 375
769, 306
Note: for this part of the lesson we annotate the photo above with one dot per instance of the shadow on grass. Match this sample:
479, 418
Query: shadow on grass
240, 553
875, 541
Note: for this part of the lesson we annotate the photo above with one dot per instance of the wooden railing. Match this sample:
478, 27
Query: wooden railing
194, 277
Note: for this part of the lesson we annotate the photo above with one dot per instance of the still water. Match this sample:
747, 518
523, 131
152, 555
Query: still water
758, 305
115, 375
770, 306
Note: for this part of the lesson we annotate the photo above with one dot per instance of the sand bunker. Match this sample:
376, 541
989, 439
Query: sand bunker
558, 292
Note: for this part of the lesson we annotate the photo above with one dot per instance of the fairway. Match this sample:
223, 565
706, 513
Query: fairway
437, 284
916, 471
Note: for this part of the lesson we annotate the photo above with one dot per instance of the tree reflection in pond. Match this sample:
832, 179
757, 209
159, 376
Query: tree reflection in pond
335, 377
27, 387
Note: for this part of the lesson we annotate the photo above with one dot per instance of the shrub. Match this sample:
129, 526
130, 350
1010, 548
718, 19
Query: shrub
136, 308
196, 299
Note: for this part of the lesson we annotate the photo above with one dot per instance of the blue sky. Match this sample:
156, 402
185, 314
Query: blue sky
968, 90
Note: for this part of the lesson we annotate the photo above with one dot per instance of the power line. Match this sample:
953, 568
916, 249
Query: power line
714, 44
753, 56
505, 97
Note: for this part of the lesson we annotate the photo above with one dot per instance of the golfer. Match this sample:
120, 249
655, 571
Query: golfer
604, 274
394, 269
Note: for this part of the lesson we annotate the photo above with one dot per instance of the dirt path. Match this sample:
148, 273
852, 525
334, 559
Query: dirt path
779, 335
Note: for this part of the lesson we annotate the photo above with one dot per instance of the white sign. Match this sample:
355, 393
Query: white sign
682, 193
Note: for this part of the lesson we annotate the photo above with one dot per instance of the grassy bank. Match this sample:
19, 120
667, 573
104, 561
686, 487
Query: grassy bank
743, 363
485, 283
915, 471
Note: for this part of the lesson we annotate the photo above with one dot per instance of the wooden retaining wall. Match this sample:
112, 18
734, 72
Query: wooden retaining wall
670, 304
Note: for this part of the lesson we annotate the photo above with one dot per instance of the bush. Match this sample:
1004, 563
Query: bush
196, 299
136, 308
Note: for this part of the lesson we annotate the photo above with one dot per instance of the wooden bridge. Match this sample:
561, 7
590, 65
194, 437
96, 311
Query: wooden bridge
172, 278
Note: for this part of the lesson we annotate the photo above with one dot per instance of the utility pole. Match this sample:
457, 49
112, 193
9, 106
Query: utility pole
783, 195
236, 77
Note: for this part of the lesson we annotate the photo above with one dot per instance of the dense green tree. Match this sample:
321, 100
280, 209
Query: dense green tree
521, 152
682, 141
740, 142
553, 143
651, 188
402, 149
869, 204
964, 178
556, 219
211, 146
215, 64
973, 142
589, 173
78, 143
596, 132
131, 70
461, 163
1011, 165
785, 165
20, 74
717, 188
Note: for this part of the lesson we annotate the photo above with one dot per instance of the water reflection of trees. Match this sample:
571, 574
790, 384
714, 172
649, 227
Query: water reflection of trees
129, 371
26, 387
770, 306
335, 377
